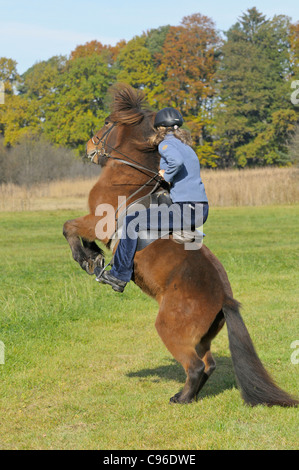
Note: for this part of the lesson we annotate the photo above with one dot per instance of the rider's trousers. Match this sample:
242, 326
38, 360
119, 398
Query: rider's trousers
181, 216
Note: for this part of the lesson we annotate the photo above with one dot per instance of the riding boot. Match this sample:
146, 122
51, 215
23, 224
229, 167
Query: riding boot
108, 278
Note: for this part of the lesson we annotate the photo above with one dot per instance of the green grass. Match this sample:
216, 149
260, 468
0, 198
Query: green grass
85, 369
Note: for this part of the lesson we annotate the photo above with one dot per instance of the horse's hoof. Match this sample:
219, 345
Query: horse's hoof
178, 398
92, 264
175, 398
85, 266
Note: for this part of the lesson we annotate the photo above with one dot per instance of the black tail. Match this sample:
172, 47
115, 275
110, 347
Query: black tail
257, 387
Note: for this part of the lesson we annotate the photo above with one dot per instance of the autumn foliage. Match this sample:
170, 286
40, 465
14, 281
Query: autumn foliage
233, 90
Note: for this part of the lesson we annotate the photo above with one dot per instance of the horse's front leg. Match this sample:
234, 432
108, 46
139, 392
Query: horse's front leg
86, 253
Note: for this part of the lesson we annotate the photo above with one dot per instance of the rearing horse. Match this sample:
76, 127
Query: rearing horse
191, 287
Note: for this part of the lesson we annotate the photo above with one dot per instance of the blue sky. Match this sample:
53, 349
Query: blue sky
32, 30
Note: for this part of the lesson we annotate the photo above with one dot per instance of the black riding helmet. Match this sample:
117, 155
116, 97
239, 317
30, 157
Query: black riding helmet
168, 117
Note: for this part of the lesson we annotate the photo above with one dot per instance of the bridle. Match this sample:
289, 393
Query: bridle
100, 151
103, 153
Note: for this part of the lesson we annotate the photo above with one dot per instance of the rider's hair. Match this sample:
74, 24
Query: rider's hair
160, 133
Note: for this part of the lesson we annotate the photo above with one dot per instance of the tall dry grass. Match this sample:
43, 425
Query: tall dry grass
224, 188
256, 187
65, 194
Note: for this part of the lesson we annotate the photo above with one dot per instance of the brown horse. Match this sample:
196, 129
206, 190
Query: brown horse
191, 287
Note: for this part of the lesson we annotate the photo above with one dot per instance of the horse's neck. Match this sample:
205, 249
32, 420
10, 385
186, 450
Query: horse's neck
118, 181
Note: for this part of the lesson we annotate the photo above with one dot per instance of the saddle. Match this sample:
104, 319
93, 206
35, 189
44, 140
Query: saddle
192, 239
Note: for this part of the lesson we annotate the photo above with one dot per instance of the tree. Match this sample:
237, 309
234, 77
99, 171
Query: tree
76, 105
136, 67
8, 77
154, 42
293, 147
20, 118
8, 74
271, 145
188, 66
17, 116
88, 49
294, 41
25, 111
254, 91
109, 53
41, 79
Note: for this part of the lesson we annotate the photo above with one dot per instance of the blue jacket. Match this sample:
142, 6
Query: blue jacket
182, 170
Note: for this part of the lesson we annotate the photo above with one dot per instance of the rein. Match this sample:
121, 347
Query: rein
132, 163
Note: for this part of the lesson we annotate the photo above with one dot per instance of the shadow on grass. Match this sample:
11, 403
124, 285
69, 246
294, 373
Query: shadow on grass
222, 379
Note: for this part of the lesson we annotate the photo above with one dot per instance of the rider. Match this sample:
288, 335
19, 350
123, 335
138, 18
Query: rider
179, 166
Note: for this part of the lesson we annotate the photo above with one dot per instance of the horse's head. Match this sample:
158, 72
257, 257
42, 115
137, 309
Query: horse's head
128, 127
96, 146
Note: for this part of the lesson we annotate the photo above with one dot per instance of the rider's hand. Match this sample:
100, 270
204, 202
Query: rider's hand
161, 173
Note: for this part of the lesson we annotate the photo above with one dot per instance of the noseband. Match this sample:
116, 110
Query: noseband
99, 152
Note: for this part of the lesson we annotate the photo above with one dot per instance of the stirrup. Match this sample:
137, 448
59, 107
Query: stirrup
117, 284
99, 270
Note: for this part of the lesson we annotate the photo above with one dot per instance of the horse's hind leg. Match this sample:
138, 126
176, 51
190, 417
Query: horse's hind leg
194, 368
87, 253
210, 366
203, 348
183, 350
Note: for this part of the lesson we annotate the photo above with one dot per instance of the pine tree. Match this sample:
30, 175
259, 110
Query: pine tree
254, 91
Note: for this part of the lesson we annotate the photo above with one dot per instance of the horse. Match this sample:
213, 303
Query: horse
192, 288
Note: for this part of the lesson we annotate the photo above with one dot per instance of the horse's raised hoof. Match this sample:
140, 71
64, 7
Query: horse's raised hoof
90, 265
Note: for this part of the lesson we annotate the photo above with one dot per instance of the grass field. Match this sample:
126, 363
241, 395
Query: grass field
85, 369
